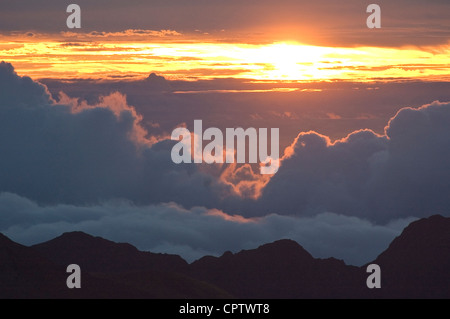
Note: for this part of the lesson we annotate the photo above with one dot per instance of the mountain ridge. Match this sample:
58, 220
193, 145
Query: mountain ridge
97, 254
415, 265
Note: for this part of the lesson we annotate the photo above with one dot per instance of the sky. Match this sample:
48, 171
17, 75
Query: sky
86, 117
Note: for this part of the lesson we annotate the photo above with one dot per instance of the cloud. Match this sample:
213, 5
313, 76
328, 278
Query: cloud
320, 22
21, 91
74, 165
194, 233
77, 152
402, 173
129, 34
243, 180
333, 116
74, 152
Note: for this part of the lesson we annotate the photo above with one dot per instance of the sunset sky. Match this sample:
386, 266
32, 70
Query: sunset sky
257, 40
364, 119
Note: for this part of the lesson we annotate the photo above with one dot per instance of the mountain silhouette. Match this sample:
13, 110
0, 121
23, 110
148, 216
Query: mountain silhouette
147, 274
96, 254
415, 265
282, 269
24, 273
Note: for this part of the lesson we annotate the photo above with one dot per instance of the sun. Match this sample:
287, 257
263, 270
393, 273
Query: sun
287, 66
291, 61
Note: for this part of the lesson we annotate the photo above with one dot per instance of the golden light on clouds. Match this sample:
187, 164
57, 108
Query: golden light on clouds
101, 57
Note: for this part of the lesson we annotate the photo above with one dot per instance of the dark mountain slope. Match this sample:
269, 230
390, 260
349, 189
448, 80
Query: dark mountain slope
417, 263
95, 254
282, 269
40, 271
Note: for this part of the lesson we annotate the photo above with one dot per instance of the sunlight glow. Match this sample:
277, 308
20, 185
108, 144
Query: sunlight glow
287, 61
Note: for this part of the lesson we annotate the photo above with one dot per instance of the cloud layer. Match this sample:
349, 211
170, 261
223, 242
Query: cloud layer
417, 22
70, 165
78, 153
194, 233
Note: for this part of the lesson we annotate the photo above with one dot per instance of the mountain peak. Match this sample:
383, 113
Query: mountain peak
438, 221
286, 248
153, 76
99, 254
426, 235
417, 260
282, 268
277, 247
78, 240
434, 230
75, 235
287, 244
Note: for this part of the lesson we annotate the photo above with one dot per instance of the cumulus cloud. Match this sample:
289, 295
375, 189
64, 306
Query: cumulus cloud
117, 104
77, 152
73, 152
196, 232
404, 172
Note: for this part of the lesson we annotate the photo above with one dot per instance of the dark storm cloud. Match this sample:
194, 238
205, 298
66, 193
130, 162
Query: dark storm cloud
322, 22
